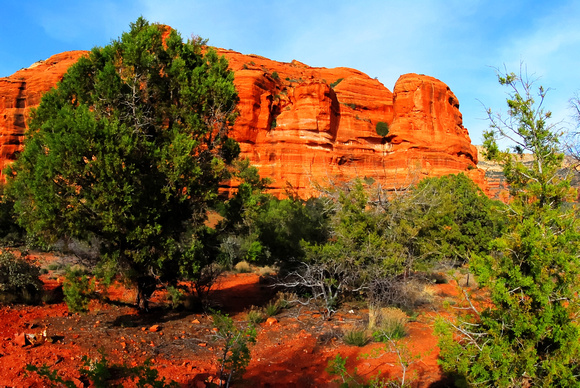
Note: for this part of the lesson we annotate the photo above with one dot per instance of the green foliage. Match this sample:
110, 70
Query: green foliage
176, 296
236, 352
337, 367
77, 289
11, 233
260, 228
272, 309
275, 76
19, 279
392, 331
356, 337
335, 83
102, 375
529, 336
462, 221
255, 316
382, 128
129, 150
527, 127
375, 239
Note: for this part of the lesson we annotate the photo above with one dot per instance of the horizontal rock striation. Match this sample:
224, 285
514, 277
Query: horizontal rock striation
304, 126
22, 91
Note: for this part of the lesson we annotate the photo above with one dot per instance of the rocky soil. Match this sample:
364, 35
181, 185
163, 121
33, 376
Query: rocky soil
292, 350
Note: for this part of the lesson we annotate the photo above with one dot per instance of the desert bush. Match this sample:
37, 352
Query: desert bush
406, 294
382, 128
242, 267
77, 289
356, 337
255, 315
102, 374
235, 352
335, 83
285, 299
272, 308
175, 295
387, 323
19, 279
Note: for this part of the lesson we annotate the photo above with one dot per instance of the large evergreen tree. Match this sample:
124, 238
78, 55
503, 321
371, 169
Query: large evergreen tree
529, 335
129, 150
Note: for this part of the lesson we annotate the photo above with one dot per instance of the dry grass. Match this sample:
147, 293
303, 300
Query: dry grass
243, 267
387, 323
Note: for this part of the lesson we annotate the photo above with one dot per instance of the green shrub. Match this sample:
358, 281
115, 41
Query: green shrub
387, 323
19, 279
382, 128
273, 308
356, 337
77, 289
333, 85
101, 374
255, 316
235, 352
275, 76
175, 296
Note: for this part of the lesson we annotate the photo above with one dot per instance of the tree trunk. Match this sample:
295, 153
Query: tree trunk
142, 300
145, 287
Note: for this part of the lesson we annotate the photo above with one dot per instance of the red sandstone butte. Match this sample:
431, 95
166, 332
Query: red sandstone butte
22, 91
305, 126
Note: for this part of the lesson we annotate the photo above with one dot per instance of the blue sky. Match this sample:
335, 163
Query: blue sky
456, 41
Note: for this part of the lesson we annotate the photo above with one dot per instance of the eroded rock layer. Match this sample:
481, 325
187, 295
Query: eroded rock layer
22, 91
303, 126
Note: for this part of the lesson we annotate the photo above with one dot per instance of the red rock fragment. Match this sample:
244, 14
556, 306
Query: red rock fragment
21, 339
154, 328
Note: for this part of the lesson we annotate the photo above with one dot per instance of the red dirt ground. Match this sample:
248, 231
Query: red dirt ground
292, 352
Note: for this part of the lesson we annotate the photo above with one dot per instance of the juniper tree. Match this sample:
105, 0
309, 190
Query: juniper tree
529, 334
129, 150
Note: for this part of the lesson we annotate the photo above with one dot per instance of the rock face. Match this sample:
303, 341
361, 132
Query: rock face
303, 126
22, 91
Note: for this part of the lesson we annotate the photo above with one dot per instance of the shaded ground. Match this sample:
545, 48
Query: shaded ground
293, 351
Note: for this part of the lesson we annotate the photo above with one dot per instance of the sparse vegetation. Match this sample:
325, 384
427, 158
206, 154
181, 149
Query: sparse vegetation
356, 337
382, 128
235, 351
129, 155
335, 83
255, 316
78, 289
19, 279
128, 166
102, 374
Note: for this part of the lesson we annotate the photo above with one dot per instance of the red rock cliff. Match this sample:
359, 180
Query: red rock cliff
22, 91
302, 126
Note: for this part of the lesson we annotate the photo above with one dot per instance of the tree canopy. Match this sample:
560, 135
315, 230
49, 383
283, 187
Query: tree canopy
129, 149
529, 334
